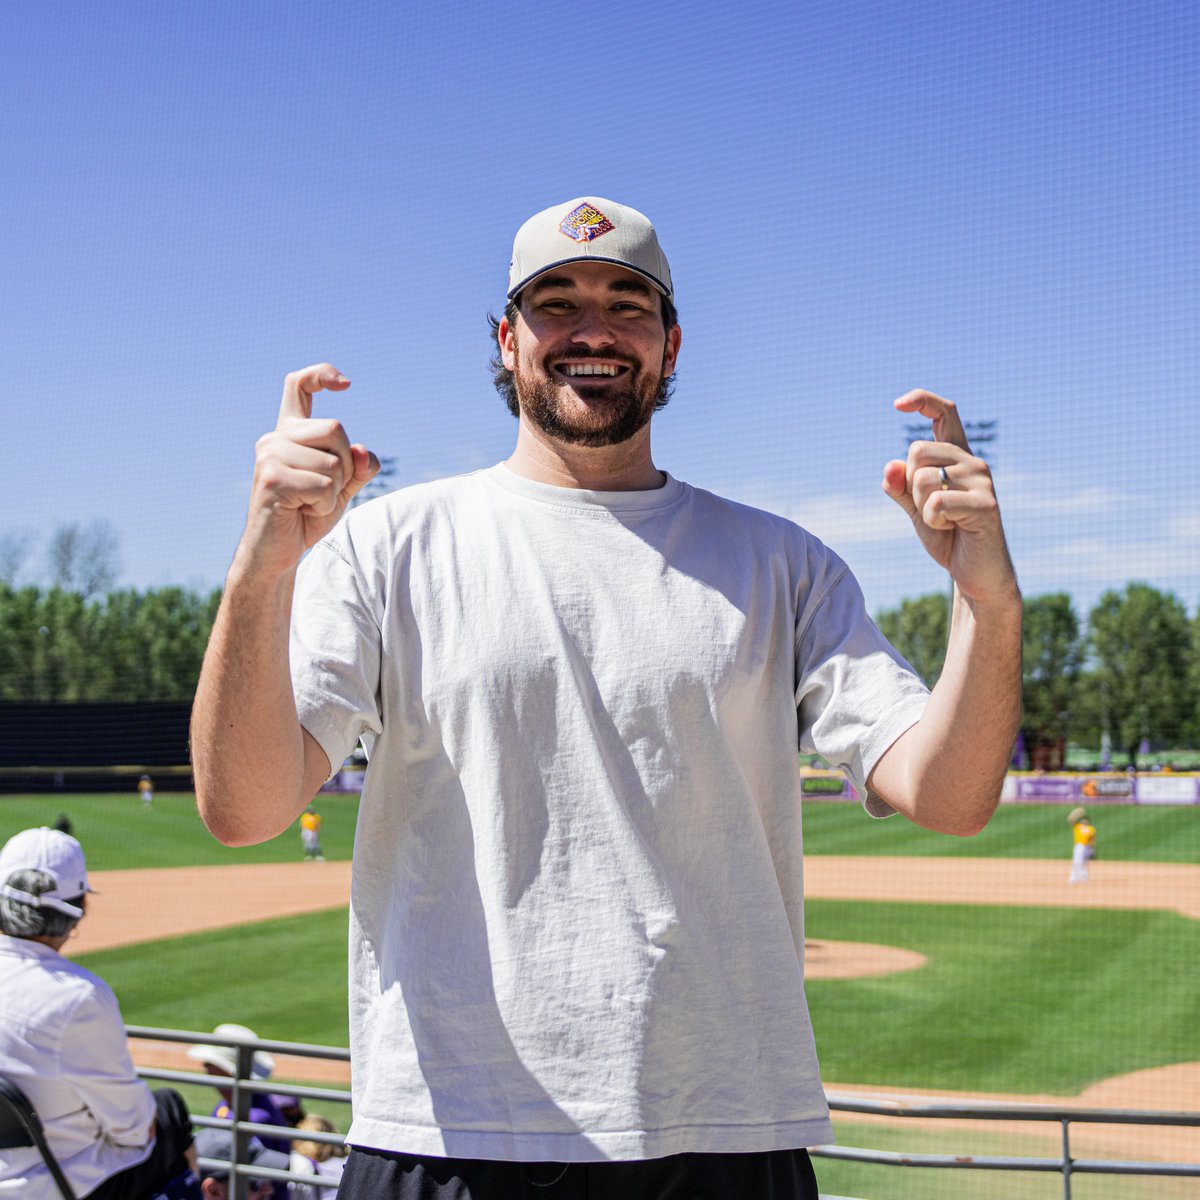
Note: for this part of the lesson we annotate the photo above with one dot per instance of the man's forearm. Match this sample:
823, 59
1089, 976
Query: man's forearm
947, 771
247, 743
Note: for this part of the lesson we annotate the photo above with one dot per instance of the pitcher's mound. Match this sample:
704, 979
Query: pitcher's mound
853, 960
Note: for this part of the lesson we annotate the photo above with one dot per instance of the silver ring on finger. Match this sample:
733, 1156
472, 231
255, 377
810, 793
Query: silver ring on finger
944, 476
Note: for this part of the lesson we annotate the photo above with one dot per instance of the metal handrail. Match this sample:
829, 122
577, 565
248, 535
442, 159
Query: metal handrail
997, 1110
244, 1084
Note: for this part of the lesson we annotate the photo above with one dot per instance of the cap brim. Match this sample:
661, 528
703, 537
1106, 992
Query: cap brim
42, 900
657, 284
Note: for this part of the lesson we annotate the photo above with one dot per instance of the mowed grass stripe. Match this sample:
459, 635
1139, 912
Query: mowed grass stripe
286, 979
1022, 1000
118, 834
1131, 833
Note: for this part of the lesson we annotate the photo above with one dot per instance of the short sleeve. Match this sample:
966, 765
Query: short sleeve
335, 652
855, 695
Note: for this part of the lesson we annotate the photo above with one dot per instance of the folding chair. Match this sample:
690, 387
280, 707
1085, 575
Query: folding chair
21, 1126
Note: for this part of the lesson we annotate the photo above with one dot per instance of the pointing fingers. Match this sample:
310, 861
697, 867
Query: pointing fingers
300, 386
307, 463
947, 425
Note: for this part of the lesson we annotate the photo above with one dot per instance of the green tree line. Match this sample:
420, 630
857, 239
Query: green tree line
1131, 670
58, 644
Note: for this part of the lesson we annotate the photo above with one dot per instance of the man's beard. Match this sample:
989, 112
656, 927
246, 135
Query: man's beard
618, 412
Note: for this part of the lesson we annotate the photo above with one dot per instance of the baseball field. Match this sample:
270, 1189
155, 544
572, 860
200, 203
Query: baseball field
936, 967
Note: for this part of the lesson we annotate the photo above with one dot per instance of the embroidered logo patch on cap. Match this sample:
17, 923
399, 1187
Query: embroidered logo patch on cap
585, 224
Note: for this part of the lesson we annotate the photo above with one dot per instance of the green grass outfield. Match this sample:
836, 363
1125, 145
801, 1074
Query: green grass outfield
924, 1183
1022, 1000
116, 832
1130, 832
1014, 999
286, 979
1004, 1004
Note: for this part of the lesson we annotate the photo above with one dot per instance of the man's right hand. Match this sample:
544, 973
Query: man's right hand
306, 472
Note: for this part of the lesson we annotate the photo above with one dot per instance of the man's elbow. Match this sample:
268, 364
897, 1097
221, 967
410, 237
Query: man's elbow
226, 831
969, 827
970, 818
227, 821
959, 814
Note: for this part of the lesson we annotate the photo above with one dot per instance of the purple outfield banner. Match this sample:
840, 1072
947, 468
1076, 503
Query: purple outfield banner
1118, 787
1145, 787
1067, 787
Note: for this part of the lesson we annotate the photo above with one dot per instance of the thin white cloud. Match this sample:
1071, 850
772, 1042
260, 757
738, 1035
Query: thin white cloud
1083, 564
838, 520
1184, 528
1082, 540
1035, 495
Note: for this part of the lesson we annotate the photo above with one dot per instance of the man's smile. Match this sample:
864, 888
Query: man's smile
589, 369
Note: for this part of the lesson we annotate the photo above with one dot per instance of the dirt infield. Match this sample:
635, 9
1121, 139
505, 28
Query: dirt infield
1174, 887
140, 906
161, 902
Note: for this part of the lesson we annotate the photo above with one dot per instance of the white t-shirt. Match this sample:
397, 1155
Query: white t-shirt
576, 928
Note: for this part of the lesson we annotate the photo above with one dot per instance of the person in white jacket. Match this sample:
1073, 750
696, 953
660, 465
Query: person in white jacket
63, 1042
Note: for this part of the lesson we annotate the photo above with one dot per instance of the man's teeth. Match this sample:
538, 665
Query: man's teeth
590, 369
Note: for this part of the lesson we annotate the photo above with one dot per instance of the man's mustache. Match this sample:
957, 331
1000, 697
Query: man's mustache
583, 353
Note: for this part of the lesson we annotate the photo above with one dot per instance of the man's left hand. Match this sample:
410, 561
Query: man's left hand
948, 495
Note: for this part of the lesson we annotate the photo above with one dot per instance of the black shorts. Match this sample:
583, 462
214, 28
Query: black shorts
771, 1175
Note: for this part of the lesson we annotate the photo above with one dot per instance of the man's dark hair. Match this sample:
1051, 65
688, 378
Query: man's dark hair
502, 377
21, 920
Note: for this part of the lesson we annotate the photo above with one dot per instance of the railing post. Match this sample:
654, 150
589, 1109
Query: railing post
1066, 1153
241, 1112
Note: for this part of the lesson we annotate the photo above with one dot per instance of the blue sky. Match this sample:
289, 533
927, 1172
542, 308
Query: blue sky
994, 201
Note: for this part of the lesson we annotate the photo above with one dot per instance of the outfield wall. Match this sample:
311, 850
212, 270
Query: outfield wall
93, 747
1068, 787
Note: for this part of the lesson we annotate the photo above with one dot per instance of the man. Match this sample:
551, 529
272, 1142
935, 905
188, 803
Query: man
310, 835
63, 1041
576, 918
214, 1181
1083, 844
221, 1062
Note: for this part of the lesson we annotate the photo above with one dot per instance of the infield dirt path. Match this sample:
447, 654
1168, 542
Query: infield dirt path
147, 905
142, 906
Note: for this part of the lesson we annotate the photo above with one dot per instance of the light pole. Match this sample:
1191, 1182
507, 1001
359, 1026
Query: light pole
980, 436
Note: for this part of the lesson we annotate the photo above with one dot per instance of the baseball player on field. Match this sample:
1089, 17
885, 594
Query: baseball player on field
310, 835
1083, 844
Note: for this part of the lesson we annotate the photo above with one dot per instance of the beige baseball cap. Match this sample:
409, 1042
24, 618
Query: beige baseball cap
57, 854
588, 229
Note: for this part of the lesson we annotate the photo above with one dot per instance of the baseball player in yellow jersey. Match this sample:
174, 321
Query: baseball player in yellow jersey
1084, 834
310, 835
145, 789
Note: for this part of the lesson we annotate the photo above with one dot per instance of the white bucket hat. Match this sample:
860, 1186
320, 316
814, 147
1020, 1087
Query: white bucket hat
57, 854
224, 1058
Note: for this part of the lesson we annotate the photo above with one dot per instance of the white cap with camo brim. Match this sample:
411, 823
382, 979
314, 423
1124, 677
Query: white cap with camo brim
588, 229
58, 855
